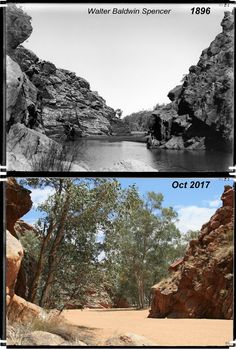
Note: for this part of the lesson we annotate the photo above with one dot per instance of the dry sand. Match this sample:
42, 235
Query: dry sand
166, 332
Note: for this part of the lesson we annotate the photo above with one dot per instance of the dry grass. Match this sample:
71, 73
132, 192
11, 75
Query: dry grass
16, 333
57, 158
72, 334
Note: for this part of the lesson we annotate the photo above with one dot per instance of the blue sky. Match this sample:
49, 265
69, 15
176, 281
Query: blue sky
194, 206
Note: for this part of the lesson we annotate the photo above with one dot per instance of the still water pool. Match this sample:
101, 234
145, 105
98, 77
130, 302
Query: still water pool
98, 154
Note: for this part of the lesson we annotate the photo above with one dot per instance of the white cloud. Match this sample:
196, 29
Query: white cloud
214, 203
30, 221
38, 196
100, 236
101, 256
193, 217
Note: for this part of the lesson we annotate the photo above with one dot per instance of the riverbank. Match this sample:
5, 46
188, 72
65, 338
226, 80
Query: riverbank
141, 138
104, 323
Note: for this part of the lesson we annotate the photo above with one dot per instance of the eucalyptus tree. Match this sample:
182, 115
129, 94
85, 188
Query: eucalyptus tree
71, 215
140, 244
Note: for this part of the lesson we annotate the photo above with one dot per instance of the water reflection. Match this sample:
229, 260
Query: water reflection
98, 154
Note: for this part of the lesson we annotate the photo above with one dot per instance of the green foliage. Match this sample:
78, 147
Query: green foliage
190, 235
140, 245
30, 243
138, 121
72, 216
94, 235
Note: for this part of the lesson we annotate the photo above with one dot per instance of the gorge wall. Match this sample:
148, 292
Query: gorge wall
42, 99
201, 113
18, 203
201, 284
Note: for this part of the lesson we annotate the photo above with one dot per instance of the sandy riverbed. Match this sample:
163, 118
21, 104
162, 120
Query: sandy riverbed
172, 332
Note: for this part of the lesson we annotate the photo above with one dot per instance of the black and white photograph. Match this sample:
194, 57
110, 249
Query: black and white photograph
119, 87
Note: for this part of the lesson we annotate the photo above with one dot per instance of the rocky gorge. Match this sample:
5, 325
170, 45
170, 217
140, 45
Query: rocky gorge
42, 100
200, 115
201, 283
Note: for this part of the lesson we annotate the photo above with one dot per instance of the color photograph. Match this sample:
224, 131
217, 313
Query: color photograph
119, 261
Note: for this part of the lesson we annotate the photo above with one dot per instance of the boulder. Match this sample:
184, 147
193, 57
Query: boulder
174, 93
18, 203
14, 82
29, 150
18, 25
195, 143
22, 228
14, 257
129, 340
21, 311
176, 142
130, 166
38, 338
30, 147
200, 285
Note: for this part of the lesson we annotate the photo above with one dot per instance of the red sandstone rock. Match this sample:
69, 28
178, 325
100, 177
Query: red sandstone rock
18, 203
13, 261
174, 266
202, 287
22, 228
19, 310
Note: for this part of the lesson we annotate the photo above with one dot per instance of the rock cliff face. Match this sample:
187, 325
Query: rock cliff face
18, 204
52, 96
60, 96
201, 284
18, 27
43, 98
202, 107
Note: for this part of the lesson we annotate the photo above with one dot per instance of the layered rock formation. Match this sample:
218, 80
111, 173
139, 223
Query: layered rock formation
42, 98
201, 284
18, 204
201, 113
